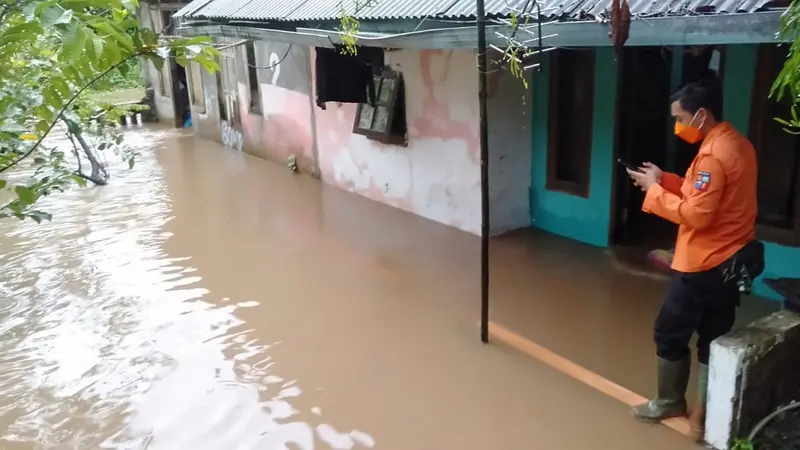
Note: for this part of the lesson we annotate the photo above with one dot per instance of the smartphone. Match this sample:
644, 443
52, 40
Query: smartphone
629, 166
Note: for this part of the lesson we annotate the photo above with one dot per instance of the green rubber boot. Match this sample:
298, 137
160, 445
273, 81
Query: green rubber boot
697, 420
673, 379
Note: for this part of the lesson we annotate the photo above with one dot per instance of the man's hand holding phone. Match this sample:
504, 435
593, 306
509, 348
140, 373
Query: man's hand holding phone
645, 176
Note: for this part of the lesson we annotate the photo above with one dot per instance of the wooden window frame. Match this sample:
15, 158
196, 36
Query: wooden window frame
199, 104
391, 135
219, 81
758, 112
582, 188
251, 72
163, 81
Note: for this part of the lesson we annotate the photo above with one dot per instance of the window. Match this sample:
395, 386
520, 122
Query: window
571, 107
252, 76
223, 108
196, 92
386, 122
778, 155
166, 19
163, 80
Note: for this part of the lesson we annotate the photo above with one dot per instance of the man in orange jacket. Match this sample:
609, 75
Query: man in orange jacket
715, 207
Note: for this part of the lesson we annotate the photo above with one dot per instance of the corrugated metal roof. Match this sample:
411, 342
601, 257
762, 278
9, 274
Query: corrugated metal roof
311, 10
266, 9
381, 10
191, 8
578, 9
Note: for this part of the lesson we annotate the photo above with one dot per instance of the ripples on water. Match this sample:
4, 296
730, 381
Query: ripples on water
106, 341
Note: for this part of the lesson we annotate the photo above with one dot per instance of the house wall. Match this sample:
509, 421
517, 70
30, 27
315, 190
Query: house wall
583, 219
285, 126
509, 117
436, 176
587, 219
739, 72
207, 122
151, 17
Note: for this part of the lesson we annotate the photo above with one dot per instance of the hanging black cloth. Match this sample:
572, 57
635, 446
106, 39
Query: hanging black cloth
347, 78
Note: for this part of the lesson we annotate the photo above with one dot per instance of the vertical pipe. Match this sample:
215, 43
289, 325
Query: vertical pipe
484, 140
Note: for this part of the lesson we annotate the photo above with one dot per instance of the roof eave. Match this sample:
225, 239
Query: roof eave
719, 29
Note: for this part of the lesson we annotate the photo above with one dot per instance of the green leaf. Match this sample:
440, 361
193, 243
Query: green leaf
44, 113
157, 61
26, 195
60, 84
73, 74
52, 97
118, 15
79, 180
112, 54
122, 38
57, 15
41, 8
149, 37
42, 126
3, 184
73, 44
30, 30
200, 40
194, 49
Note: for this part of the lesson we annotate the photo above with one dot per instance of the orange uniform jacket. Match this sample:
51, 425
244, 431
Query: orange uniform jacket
715, 205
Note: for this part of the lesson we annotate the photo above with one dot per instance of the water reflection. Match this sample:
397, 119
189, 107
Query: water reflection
106, 341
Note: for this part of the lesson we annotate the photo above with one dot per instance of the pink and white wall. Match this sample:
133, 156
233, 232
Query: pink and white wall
436, 176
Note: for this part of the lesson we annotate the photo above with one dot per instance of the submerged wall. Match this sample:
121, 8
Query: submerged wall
151, 17
437, 175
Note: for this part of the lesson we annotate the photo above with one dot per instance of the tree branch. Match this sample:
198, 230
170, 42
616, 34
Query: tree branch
64, 109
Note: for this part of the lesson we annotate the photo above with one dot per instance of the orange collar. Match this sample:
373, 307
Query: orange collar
717, 131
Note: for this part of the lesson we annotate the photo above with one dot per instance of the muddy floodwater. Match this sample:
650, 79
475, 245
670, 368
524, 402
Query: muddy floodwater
210, 300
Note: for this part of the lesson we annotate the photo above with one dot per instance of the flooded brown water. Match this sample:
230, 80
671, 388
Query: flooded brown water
210, 300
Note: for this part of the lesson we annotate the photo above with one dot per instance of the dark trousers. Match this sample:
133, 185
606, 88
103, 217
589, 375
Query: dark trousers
696, 302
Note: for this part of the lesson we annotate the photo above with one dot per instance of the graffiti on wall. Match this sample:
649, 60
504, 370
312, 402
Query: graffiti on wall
231, 137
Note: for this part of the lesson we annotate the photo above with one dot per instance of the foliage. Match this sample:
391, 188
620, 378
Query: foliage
51, 51
515, 53
129, 77
742, 444
349, 26
788, 80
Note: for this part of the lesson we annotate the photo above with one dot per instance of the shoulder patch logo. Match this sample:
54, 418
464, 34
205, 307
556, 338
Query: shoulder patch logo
702, 180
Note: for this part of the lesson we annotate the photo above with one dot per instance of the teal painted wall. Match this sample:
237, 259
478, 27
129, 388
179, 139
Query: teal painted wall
739, 72
587, 220
582, 219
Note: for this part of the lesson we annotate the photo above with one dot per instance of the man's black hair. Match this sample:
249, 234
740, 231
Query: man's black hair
705, 93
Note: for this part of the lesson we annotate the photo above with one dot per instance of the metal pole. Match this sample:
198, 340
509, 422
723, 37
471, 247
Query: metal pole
484, 137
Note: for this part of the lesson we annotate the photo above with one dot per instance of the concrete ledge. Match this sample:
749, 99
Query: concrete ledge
753, 371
